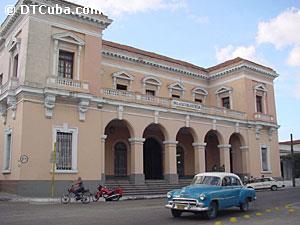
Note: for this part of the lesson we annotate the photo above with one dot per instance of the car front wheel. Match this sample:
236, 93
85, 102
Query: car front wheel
244, 207
176, 213
212, 212
274, 188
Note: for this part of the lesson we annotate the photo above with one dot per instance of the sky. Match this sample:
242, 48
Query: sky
207, 32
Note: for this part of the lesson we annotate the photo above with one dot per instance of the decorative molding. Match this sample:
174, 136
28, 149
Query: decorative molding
198, 146
103, 137
270, 132
156, 116
49, 103
244, 148
83, 108
187, 120
214, 125
223, 89
69, 37
258, 129
120, 112
12, 104
237, 128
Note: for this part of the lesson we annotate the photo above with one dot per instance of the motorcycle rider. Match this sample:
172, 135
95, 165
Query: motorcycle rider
78, 187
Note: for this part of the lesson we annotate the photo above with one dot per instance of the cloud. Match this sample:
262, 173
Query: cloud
294, 57
121, 7
198, 19
230, 52
281, 31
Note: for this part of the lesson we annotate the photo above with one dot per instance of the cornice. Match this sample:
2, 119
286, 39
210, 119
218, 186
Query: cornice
200, 76
154, 64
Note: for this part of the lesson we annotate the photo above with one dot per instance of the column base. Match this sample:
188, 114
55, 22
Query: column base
137, 179
171, 178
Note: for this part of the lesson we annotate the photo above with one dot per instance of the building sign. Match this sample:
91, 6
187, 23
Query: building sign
187, 105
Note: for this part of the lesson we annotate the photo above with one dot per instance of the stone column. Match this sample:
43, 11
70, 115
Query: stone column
170, 173
137, 160
225, 156
245, 160
199, 149
102, 158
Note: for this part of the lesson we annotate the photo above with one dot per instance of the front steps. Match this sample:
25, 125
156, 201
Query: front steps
151, 187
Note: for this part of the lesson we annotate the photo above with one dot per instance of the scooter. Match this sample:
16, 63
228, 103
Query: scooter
108, 194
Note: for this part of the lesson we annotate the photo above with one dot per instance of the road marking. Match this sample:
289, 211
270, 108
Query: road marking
288, 206
277, 208
291, 210
233, 220
218, 223
247, 216
268, 210
258, 214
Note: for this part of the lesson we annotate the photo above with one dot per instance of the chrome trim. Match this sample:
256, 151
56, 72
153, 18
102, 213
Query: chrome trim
186, 208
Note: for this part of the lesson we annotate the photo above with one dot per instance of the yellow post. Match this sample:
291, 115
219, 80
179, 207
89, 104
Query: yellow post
53, 169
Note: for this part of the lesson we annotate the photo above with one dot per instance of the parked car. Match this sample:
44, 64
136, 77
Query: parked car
265, 183
208, 193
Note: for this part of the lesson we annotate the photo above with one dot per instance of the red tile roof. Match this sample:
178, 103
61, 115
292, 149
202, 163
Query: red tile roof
179, 62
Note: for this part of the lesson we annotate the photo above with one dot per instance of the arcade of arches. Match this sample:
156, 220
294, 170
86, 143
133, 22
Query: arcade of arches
153, 156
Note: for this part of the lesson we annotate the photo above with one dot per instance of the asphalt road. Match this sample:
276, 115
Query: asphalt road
275, 208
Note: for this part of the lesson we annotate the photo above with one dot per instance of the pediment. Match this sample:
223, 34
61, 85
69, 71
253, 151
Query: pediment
176, 86
123, 75
151, 80
223, 89
69, 37
260, 87
200, 90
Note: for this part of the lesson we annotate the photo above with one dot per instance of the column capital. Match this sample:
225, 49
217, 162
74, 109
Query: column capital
136, 140
103, 137
244, 148
224, 146
170, 142
199, 145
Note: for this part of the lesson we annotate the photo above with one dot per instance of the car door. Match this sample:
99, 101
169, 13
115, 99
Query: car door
266, 183
228, 193
236, 186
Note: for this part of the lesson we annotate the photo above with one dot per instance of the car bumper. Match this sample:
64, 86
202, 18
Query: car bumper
187, 207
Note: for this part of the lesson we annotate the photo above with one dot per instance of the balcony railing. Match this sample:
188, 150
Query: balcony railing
129, 96
264, 117
69, 84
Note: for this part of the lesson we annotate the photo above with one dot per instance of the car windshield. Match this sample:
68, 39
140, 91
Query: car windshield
209, 180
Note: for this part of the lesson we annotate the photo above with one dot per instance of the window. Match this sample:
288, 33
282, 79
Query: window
7, 152
1, 79
66, 149
198, 100
175, 96
121, 87
199, 94
259, 105
150, 92
65, 66
15, 65
226, 102
264, 159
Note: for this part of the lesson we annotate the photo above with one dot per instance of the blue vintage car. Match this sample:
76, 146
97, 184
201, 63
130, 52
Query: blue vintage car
208, 193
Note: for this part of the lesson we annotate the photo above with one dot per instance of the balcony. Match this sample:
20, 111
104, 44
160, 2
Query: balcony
133, 97
264, 117
68, 84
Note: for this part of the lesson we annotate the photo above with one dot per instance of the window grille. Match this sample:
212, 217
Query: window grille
65, 66
64, 151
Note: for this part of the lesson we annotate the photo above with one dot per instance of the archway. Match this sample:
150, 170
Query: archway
117, 147
185, 156
212, 153
153, 151
236, 158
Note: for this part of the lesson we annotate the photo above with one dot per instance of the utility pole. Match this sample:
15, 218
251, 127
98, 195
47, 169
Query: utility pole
293, 162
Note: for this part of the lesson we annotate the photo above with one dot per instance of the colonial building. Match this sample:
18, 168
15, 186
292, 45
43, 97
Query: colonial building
118, 111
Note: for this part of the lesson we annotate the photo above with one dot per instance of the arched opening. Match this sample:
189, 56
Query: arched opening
212, 153
153, 151
117, 160
120, 159
236, 158
185, 152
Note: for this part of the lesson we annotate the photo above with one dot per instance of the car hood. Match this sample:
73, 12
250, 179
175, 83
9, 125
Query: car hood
193, 191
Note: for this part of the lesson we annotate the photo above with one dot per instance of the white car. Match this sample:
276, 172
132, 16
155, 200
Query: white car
265, 183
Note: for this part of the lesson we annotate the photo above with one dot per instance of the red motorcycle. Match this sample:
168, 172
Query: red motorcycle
108, 194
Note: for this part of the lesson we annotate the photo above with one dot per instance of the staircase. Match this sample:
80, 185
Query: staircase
151, 187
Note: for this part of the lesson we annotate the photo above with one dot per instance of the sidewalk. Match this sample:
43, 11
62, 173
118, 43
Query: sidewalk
7, 197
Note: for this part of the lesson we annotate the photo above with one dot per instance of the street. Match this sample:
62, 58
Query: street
276, 208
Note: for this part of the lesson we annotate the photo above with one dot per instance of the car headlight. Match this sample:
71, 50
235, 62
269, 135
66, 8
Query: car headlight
202, 196
169, 195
